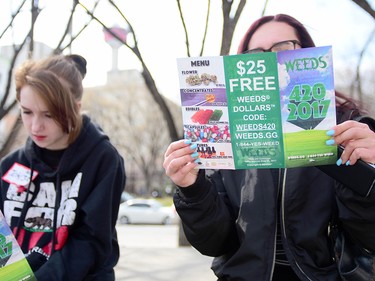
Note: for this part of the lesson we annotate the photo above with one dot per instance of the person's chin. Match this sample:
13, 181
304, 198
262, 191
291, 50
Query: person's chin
41, 144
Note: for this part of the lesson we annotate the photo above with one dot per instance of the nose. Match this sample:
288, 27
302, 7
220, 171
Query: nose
37, 124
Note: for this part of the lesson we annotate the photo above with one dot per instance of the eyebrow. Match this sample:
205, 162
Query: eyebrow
26, 108
23, 107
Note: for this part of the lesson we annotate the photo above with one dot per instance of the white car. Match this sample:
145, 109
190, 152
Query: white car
145, 211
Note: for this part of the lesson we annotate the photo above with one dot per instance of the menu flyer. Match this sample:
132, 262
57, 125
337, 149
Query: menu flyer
13, 264
262, 110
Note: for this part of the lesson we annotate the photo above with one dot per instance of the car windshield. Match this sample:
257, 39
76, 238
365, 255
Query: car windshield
146, 204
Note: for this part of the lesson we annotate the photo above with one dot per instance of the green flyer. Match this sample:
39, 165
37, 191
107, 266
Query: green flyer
265, 110
13, 264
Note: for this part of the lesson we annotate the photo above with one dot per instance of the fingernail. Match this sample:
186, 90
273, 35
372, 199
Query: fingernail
339, 162
347, 163
330, 133
330, 142
194, 155
187, 141
193, 146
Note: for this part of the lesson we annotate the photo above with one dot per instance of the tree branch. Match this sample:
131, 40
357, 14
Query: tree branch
206, 27
185, 29
365, 5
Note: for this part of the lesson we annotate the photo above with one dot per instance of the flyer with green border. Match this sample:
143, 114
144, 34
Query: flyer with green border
13, 264
264, 110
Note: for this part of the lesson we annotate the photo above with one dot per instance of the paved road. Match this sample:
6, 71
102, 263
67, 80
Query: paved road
151, 253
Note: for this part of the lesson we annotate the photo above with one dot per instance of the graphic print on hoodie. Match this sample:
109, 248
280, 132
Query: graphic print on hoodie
42, 211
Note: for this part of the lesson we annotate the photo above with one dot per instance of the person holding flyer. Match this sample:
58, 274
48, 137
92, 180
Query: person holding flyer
60, 193
283, 224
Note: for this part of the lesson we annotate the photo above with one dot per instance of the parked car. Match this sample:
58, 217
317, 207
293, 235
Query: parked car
145, 211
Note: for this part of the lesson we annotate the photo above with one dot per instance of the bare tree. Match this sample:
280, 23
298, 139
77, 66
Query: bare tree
365, 5
138, 130
229, 24
231, 11
149, 80
67, 38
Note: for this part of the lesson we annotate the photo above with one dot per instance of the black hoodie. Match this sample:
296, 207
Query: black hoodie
77, 202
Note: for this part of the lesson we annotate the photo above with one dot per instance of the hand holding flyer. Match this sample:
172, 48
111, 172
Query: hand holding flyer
264, 110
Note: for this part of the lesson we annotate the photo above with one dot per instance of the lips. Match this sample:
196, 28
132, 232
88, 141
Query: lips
39, 138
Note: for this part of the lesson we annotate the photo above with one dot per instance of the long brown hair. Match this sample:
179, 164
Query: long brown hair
58, 82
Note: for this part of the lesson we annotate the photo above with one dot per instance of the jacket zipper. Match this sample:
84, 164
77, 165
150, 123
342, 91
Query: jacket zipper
283, 221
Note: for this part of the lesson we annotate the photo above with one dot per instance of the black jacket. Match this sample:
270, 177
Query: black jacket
231, 215
77, 203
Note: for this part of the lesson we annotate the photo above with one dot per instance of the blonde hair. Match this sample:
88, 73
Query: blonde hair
58, 82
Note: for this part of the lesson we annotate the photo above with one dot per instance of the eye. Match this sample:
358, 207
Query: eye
253, 51
26, 112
